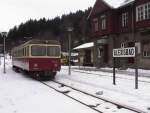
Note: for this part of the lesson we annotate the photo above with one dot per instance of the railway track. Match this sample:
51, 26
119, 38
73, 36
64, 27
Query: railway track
98, 104
75, 70
65, 92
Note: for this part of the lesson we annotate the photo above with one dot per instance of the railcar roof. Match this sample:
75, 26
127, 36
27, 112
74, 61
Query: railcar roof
42, 42
35, 41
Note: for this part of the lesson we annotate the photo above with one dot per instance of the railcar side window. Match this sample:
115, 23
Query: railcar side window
24, 54
53, 51
27, 50
38, 50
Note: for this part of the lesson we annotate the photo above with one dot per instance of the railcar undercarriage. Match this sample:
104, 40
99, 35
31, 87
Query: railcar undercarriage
38, 75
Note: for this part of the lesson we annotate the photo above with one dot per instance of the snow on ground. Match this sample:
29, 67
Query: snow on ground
123, 92
21, 94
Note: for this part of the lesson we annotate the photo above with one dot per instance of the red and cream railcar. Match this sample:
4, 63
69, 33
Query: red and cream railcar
38, 58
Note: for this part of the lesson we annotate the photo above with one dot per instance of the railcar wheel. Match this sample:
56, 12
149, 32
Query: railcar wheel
53, 75
16, 69
26, 72
35, 75
49, 76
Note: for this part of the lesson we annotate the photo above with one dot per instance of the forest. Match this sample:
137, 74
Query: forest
55, 28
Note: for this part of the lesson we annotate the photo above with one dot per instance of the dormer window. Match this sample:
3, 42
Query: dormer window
143, 12
124, 19
95, 24
103, 22
122, 45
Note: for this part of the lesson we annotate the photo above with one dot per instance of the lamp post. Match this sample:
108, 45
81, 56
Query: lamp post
4, 34
70, 29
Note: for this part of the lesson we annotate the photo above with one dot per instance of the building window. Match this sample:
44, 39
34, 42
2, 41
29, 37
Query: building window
95, 21
122, 45
146, 12
103, 22
146, 49
143, 12
146, 53
124, 19
99, 50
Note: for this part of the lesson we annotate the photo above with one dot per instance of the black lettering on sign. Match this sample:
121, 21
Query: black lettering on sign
131, 51
124, 52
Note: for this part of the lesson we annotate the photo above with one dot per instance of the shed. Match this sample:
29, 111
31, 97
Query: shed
85, 54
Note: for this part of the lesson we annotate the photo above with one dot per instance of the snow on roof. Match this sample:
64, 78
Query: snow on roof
114, 4
86, 45
126, 2
117, 3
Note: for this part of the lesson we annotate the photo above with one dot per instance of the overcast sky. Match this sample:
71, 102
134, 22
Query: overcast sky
13, 12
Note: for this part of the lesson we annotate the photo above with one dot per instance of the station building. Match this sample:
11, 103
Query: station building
120, 24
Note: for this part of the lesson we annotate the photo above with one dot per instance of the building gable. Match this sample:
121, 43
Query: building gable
99, 7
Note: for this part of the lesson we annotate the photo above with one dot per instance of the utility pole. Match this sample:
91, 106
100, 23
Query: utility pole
4, 34
4, 55
70, 29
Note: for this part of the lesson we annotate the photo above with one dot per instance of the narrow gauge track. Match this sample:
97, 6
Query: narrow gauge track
65, 93
108, 76
118, 105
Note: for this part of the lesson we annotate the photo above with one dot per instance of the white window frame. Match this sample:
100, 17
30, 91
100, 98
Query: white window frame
103, 22
143, 12
125, 19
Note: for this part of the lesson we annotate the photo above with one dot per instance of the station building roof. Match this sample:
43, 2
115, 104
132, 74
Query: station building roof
113, 4
117, 3
84, 46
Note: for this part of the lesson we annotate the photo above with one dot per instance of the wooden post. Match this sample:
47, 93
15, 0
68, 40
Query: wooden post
114, 72
136, 68
69, 55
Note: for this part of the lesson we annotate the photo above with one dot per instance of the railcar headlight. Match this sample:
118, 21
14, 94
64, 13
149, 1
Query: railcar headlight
35, 65
56, 65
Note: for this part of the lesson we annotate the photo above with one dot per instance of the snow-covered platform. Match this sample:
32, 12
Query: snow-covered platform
95, 80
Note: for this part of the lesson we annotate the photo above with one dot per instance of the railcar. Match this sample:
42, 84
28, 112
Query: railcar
38, 58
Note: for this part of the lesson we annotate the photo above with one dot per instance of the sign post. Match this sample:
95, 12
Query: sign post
136, 70
125, 52
114, 72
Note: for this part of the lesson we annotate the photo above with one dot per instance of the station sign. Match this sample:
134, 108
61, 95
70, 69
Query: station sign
124, 52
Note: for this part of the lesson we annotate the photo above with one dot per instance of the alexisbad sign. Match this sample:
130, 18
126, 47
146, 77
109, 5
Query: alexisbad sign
124, 52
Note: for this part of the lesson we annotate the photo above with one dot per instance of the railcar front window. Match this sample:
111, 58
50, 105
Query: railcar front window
38, 50
53, 51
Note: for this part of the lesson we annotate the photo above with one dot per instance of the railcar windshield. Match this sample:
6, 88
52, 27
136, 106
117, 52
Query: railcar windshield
53, 51
37, 50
